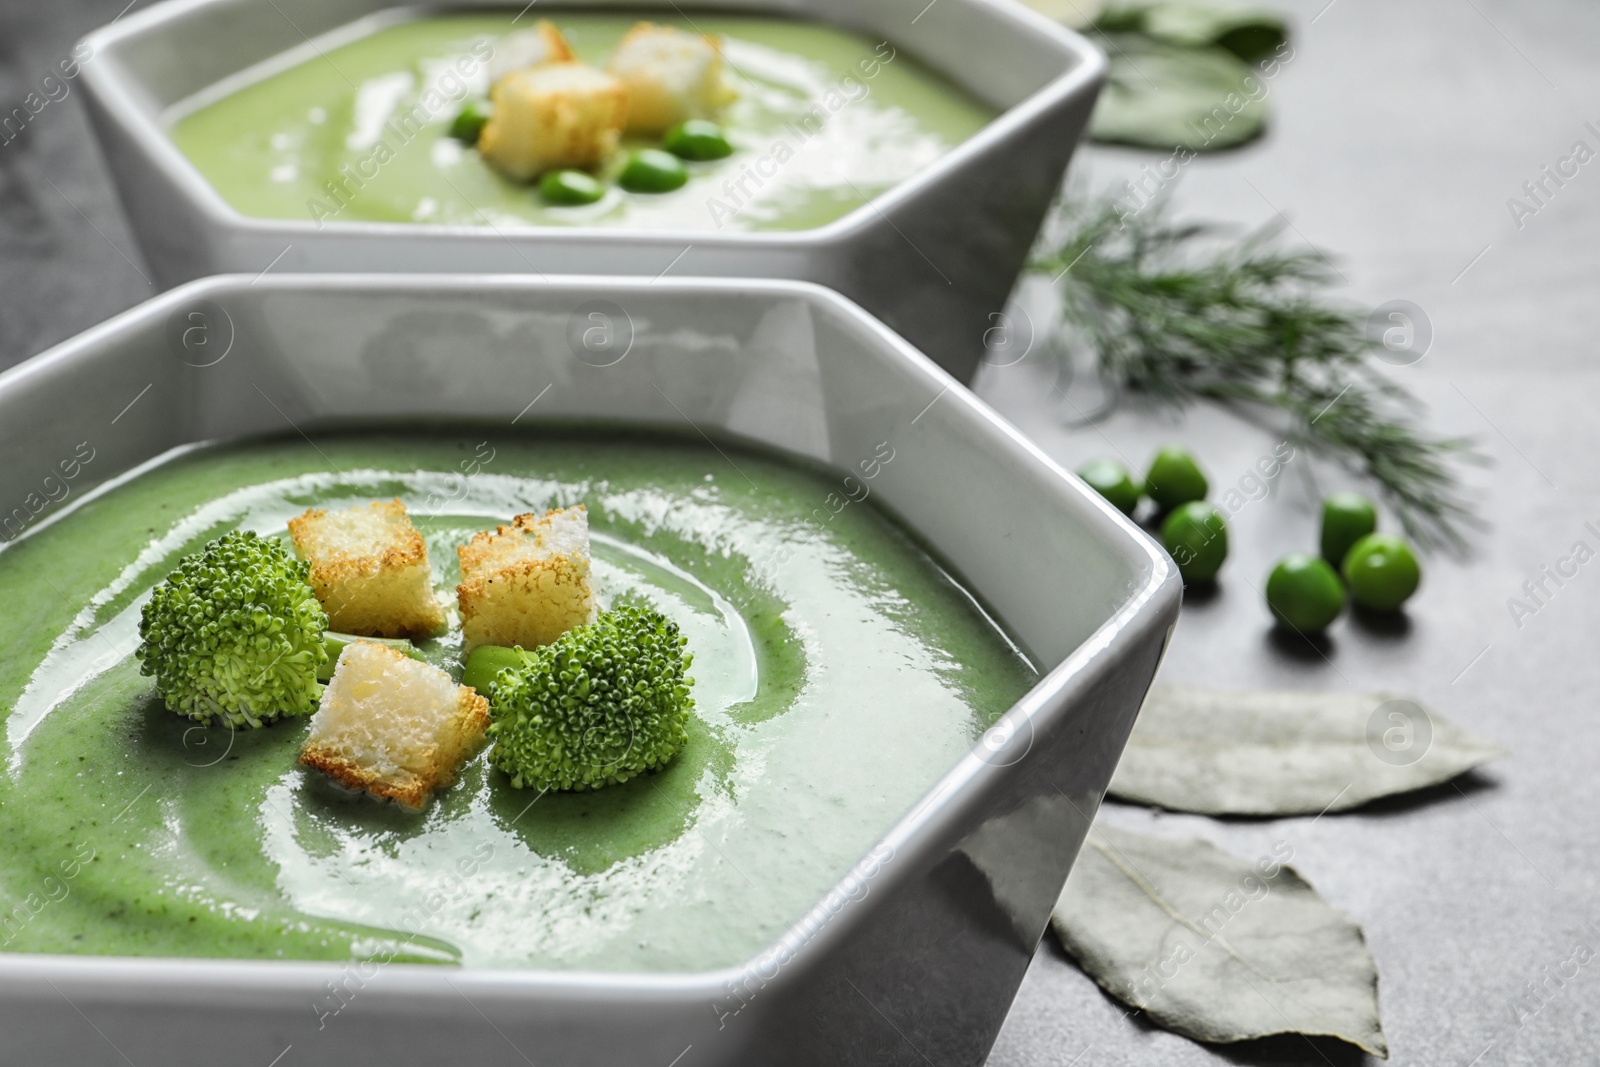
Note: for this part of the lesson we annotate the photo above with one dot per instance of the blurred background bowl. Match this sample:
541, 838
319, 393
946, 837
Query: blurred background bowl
934, 257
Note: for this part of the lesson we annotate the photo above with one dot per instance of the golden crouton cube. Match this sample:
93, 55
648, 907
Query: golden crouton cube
528, 583
552, 116
393, 726
522, 49
671, 76
369, 567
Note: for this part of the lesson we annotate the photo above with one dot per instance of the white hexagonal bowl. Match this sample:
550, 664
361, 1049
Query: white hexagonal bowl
916, 953
934, 257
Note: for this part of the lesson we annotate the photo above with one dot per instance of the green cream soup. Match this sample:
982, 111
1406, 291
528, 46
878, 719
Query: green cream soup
839, 671
824, 120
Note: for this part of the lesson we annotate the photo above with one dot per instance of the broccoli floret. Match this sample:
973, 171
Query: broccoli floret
602, 703
235, 634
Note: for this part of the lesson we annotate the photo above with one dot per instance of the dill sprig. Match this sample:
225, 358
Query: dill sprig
1172, 314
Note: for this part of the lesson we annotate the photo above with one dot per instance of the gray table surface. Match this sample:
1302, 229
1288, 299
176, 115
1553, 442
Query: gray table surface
1400, 132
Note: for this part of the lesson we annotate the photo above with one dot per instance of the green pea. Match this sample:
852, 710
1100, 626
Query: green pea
653, 171
1382, 572
471, 121
1111, 480
698, 140
1304, 593
570, 188
485, 663
1346, 519
1197, 536
1175, 478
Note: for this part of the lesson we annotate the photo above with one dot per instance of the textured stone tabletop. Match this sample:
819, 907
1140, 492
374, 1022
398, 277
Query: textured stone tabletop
1400, 131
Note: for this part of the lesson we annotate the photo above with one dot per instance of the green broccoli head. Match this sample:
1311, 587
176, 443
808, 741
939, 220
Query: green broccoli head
235, 634
601, 704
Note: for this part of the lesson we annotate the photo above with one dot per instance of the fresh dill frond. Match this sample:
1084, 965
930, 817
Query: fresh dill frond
1173, 313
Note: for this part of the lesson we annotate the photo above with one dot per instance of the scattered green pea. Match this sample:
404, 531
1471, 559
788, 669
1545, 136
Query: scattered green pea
698, 140
1346, 519
1381, 571
1304, 593
1111, 480
1197, 537
1175, 478
570, 188
471, 121
653, 171
485, 663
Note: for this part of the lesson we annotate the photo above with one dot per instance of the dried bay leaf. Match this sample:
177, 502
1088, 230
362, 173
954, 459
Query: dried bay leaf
1166, 96
1221, 752
1214, 947
1248, 31
1251, 33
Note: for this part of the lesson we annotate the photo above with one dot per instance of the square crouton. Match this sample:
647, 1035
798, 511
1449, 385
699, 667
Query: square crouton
522, 49
528, 583
552, 116
369, 568
671, 76
393, 726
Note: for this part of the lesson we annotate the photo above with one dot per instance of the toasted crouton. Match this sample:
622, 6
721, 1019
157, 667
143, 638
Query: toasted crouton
522, 49
393, 726
671, 76
528, 583
551, 116
369, 567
